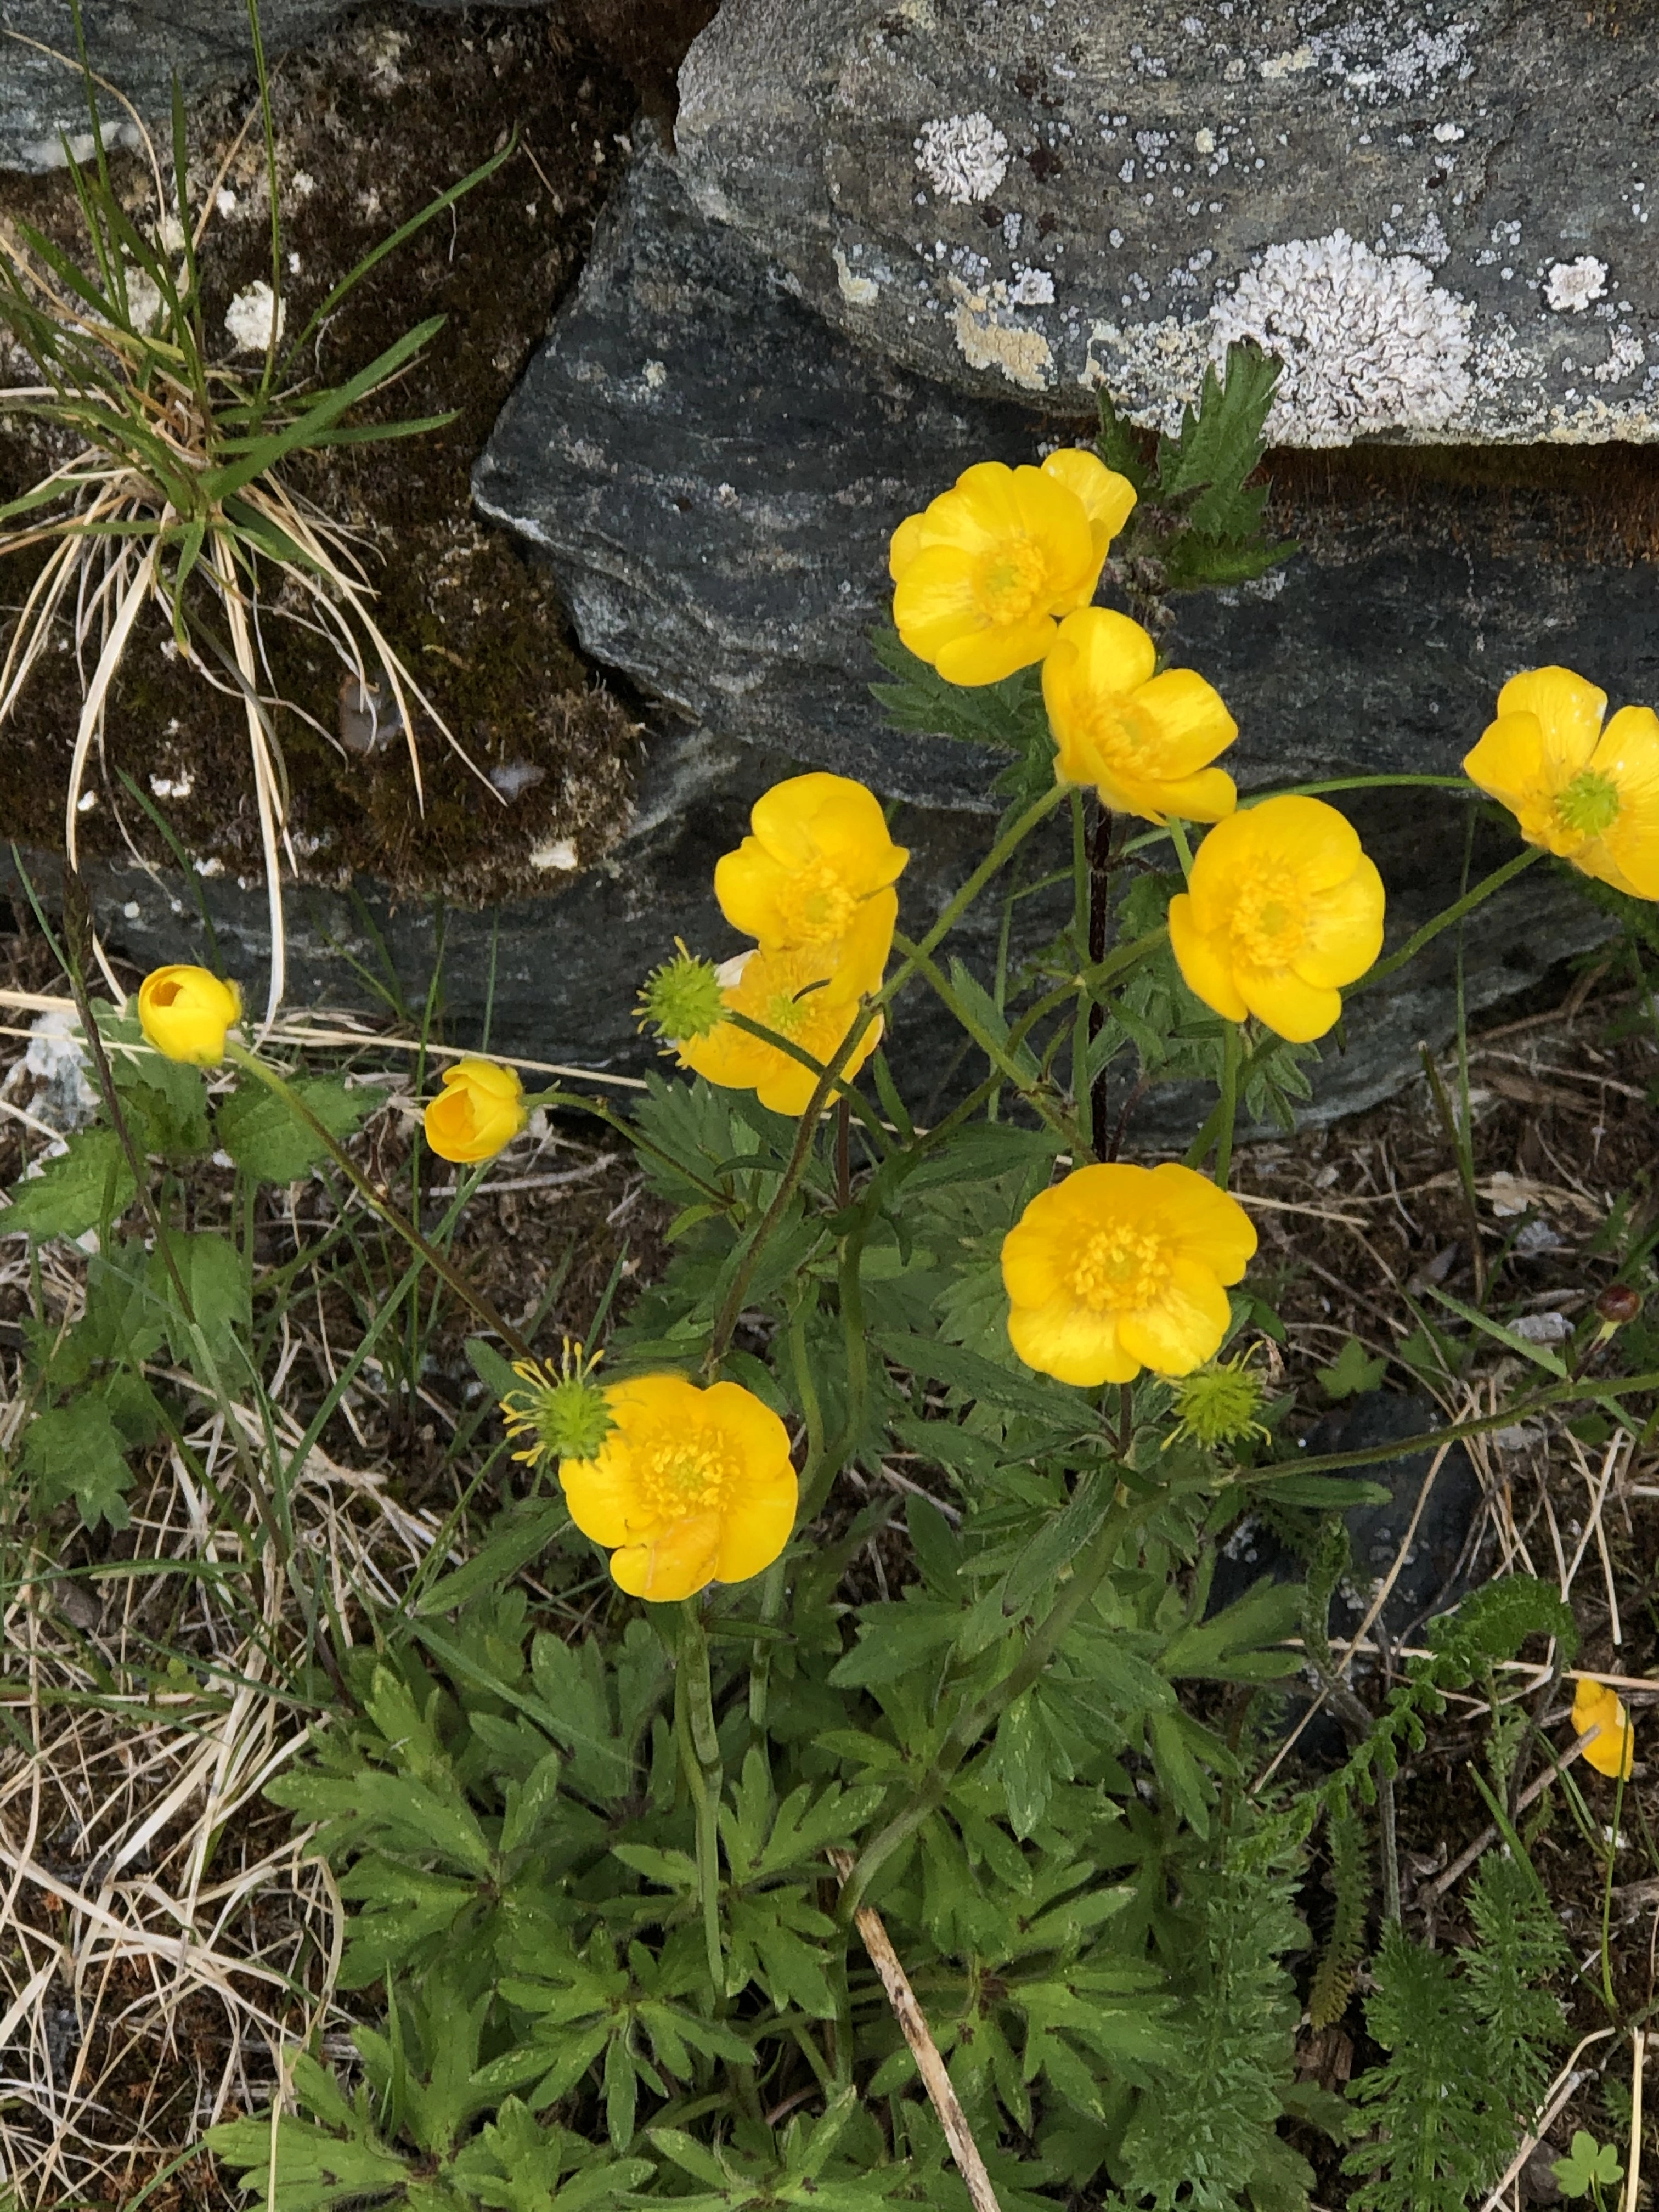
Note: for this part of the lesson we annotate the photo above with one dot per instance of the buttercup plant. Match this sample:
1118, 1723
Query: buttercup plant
619, 1888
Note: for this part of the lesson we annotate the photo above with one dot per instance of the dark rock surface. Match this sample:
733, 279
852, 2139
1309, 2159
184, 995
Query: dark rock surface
140, 45
714, 474
1428, 207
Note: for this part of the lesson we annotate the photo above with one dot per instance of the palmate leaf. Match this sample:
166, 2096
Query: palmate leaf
1220, 446
89, 1178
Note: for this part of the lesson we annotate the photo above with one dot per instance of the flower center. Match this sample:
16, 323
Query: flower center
1269, 923
787, 1013
817, 905
1591, 803
1118, 1270
682, 1471
1010, 579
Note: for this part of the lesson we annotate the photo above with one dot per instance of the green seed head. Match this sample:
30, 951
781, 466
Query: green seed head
557, 1414
682, 998
1590, 803
1220, 1404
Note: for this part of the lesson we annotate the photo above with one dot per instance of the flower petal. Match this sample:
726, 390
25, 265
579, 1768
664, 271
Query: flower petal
1185, 1325
1067, 1341
934, 602
1292, 1009
1569, 711
1190, 718
753, 1533
1343, 929
600, 1493
676, 1565
1107, 498
987, 655
1205, 968
1629, 753
1210, 1223
907, 542
1507, 762
1113, 654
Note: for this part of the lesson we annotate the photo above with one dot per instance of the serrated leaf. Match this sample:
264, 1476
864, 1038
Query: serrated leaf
1352, 1372
269, 1143
77, 1451
72, 1192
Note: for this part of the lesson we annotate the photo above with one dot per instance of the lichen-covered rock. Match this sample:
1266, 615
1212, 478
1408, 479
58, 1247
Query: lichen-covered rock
1435, 212
714, 474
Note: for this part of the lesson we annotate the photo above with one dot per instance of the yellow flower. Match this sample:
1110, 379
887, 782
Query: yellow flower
798, 994
1587, 793
689, 1487
1612, 1749
1282, 907
1145, 741
480, 1109
185, 1011
1120, 1268
985, 572
818, 871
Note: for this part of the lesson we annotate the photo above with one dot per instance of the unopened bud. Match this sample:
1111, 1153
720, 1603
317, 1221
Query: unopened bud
1618, 1304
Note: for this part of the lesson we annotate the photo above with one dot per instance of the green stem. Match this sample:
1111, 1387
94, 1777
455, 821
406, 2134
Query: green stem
999, 1055
1224, 1143
1482, 891
1177, 829
439, 1262
1607, 1904
969, 1726
1368, 783
703, 1777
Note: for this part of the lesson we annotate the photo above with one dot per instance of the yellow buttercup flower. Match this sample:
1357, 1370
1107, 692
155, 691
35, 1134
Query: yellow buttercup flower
479, 1110
1119, 1268
983, 575
1587, 793
1145, 741
690, 1487
1612, 1749
818, 872
1283, 907
184, 1012
798, 994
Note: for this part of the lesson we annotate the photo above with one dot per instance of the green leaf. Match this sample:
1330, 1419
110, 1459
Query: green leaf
74, 1192
314, 2170
269, 1145
520, 1534
1121, 445
78, 1451
1352, 1371
216, 1282
1220, 446
1058, 1541
1587, 2164
1539, 1354
1236, 1644
1024, 1763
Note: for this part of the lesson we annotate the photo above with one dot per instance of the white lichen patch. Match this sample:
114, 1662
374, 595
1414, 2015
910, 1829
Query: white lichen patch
963, 157
1571, 286
1626, 355
857, 291
560, 855
1032, 288
248, 318
1368, 342
986, 338
1153, 370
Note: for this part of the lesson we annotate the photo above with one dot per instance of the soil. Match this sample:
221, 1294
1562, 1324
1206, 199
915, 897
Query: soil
371, 125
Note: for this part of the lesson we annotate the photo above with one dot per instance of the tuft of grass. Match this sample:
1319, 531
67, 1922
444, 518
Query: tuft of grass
173, 490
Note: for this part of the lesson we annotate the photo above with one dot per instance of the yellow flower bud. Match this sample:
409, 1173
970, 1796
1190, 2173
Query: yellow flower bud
1612, 1749
480, 1110
185, 1011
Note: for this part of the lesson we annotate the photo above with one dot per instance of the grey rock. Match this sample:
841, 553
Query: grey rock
1429, 207
141, 46
714, 473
